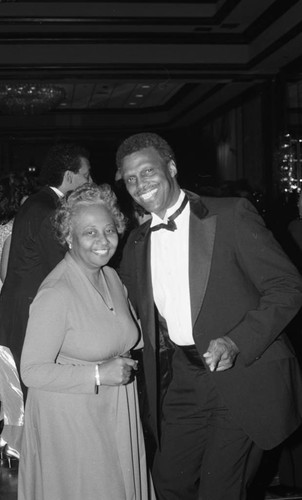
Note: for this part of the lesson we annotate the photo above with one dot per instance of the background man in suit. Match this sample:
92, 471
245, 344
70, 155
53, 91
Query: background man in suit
34, 250
217, 288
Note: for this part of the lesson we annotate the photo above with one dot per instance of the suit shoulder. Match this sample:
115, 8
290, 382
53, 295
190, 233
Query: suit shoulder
43, 198
226, 204
37, 205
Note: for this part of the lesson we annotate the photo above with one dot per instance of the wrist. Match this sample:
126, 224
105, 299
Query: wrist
232, 343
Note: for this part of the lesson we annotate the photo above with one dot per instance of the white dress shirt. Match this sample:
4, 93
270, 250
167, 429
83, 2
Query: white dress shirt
170, 274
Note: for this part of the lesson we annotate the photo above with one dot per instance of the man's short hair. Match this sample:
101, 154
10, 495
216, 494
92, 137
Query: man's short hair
141, 141
61, 157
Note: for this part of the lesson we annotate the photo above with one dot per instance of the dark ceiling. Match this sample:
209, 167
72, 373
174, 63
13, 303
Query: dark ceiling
144, 64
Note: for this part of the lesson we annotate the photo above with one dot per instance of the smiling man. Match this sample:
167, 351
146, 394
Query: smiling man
211, 286
150, 185
34, 250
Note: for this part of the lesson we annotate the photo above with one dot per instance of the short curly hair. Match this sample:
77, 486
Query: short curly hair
60, 158
86, 195
144, 140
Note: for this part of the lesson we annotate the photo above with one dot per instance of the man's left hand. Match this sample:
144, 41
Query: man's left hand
221, 354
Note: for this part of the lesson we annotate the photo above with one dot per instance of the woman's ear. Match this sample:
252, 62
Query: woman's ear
69, 241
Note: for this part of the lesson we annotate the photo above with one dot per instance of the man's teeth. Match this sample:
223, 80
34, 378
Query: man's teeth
147, 196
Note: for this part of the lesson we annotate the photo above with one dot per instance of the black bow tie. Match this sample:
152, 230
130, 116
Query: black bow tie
171, 225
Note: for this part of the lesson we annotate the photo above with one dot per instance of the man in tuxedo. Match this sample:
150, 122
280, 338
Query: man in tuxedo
34, 250
211, 286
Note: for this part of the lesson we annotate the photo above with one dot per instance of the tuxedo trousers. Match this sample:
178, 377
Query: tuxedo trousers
204, 454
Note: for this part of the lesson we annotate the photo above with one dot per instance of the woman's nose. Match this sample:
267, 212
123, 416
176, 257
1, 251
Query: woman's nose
103, 238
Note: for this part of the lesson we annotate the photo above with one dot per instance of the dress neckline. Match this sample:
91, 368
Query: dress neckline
102, 289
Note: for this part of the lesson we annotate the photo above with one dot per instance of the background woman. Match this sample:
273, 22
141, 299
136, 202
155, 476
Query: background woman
82, 435
13, 190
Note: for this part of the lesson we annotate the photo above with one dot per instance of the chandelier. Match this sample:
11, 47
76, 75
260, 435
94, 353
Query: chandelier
29, 98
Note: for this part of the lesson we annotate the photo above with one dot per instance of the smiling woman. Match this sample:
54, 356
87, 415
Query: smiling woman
78, 367
87, 195
89, 221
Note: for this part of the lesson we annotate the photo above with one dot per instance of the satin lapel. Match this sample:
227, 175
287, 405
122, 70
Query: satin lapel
201, 243
144, 283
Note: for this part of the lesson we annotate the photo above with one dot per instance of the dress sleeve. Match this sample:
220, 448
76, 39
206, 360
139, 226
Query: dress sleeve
43, 341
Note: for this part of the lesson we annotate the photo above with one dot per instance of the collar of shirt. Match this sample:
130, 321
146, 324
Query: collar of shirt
157, 220
57, 191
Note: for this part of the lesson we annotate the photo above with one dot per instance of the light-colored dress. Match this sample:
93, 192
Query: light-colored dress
12, 407
78, 444
5, 231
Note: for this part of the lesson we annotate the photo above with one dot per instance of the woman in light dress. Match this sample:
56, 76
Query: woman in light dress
14, 189
82, 434
5, 234
6, 360
7, 212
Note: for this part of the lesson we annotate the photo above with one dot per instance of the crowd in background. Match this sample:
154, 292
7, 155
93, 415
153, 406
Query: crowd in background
13, 188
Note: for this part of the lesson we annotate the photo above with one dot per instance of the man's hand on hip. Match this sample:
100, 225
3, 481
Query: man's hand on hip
221, 354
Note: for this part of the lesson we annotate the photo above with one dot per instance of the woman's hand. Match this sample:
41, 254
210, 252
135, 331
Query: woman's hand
117, 371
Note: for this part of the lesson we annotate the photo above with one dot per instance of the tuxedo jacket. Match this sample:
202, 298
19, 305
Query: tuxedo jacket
242, 285
34, 252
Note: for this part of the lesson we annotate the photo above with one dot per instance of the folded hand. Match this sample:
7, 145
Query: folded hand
117, 371
221, 354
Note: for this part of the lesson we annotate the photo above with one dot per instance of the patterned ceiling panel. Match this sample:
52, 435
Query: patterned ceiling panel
165, 63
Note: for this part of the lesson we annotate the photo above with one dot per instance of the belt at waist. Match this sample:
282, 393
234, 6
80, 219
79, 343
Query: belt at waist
192, 355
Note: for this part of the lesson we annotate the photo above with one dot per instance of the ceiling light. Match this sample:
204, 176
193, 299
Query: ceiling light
29, 98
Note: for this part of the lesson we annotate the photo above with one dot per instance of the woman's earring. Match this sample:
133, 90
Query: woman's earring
69, 246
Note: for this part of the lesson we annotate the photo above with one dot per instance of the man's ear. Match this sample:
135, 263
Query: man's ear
68, 176
172, 168
118, 175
